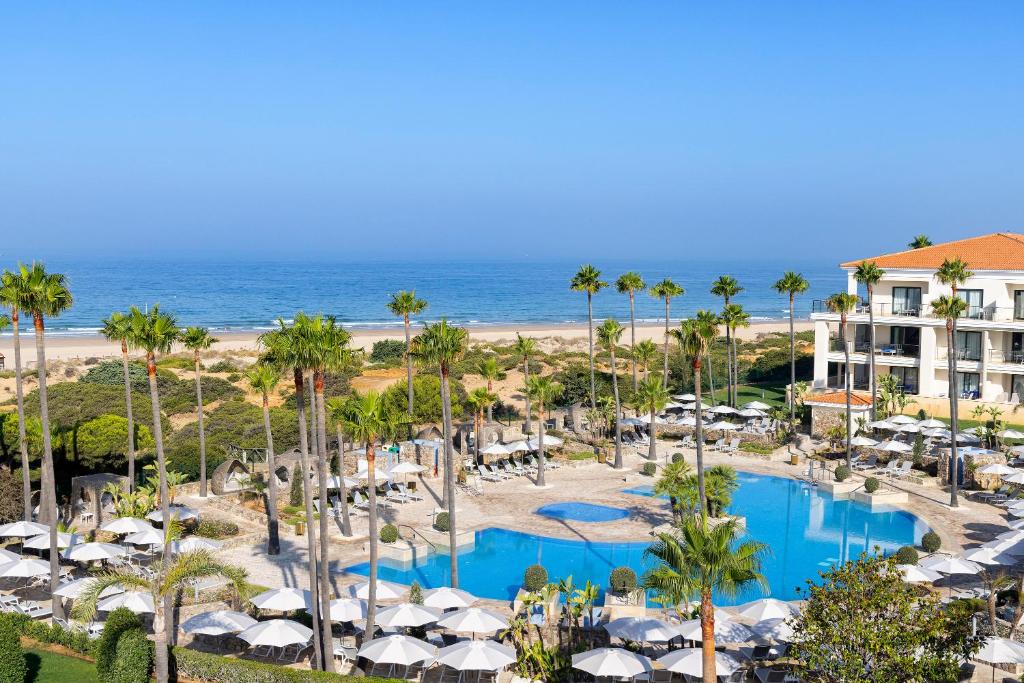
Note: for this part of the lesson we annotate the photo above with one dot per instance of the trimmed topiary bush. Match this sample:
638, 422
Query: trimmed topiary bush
415, 593
906, 555
441, 521
842, 473
535, 578
295, 493
622, 580
118, 622
931, 542
388, 533
871, 484
134, 660
649, 469
678, 457
12, 659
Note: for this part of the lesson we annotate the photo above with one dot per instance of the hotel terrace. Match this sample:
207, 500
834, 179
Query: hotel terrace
910, 340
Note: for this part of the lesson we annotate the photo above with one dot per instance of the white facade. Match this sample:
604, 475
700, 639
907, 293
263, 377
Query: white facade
911, 341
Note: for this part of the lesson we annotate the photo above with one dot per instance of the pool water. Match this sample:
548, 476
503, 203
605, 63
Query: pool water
806, 530
582, 512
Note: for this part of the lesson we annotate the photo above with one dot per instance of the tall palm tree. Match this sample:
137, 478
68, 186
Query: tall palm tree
117, 328
368, 419
544, 391
869, 274
169, 576
491, 371
712, 321
46, 295
726, 286
954, 273
651, 397
666, 290
263, 378
694, 337
630, 283
734, 317
588, 280
340, 408
608, 334
404, 304
643, 353
442, 344
197, 339
12, 296
524, 348
919, 242
703, 560
951, 308
842, 303
480, 399
792, 283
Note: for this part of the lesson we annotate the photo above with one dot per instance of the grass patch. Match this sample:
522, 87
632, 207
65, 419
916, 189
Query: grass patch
582, 456
50, 667
774, 394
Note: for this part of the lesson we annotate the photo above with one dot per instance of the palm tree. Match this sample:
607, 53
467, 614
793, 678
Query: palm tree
263, 377
340, 408
544, 391
734, 316
404, 304
666, 290
480, 399
672, 483
117, 328
12, 295
869, 274
524, 348
704, 560
367, 420
630, 283
712, 321
694, 337
792, 283
951, 308
169, 576
588, 280
197, 339
608, 334
651, 396
443, 345
954, 273
726, 286
643, 353
842, 303
491, 371
919, 242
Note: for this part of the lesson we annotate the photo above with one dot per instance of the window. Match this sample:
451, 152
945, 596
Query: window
1018, 305
906, 300
975, 304
906, 341
907, 377
862, 339
1016, 388
969, 384
968, 345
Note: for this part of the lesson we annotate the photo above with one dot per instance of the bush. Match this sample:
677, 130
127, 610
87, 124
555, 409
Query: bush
388, 352
426, 392
906, 555
649, 469
388, 533
12, 659
842, 473
119, 622
134, 660
535, 578
931, 542
678, 457
622, 580
101, 443
754, 447
224, 366
212, 668
871, 484
10, 495
415, 593
583, 455
111, 373
295, 495
234, 377
441, 521
212, 527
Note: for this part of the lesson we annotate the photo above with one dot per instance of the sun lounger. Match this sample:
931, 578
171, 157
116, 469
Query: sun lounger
733, 447
869, 464
511, 470
391, 493
892, 466
407, 493
487, 475
903, 470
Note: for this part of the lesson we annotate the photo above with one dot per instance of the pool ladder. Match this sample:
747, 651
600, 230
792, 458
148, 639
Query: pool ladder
416, 533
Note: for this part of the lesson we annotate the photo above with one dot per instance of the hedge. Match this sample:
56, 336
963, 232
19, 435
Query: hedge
42, 632
108, 650
12, 659
203, 666
134, 661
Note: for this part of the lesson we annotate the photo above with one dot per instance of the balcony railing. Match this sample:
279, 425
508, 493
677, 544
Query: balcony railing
890, 350
1006, 357
942, 353
924, 310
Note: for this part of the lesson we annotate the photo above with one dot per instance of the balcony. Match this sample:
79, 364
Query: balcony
884, 350
1009, 358
967, 355
990, 313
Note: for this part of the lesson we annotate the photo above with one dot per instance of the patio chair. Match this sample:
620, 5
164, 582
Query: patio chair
717, 445
495, 472
869, 464
903, 471
890, 467
411, 495
487, 475
733, 447
511, 470
345, 653
393, 494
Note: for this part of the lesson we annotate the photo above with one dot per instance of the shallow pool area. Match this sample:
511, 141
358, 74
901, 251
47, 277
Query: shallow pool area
582, 512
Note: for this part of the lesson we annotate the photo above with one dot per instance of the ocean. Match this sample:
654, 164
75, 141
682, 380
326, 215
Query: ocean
249, 294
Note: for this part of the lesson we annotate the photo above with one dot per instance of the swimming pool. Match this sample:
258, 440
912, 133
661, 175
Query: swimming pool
582, 512
807, 530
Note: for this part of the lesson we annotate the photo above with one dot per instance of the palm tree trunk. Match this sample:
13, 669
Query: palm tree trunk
445, 421
707, 629
346, 520
618, 411
711, 375
446, 402
735, 374
526, 383
664, 379
652, 450
590, 338
202, 432
165, 498
792, 366
954, 456
728, 360
478, 419
540, 445
408, 369
871, 351
128, 412
307, 494
632, 334
849, 390
490, 406
698, 432
320, 418
26, 475
48, 494
273, 532
161, 663
371, 491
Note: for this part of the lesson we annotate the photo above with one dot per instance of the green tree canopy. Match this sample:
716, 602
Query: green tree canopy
100, 442
426, 397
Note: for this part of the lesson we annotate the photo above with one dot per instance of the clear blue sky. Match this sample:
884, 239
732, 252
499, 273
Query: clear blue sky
818, 129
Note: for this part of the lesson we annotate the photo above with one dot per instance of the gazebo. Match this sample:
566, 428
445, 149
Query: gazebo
229, 477
87, 491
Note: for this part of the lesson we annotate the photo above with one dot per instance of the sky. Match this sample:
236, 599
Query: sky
752, 130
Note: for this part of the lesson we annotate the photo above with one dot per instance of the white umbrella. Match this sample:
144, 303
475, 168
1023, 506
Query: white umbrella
611, 661
688, 421
195, 543
901, 419
756, 405
1017, 524
218, 623
722, 425
495, 449
895, 447
774, 630
646, 420
685, 397
931, 423
178, 512
989, 556
690, 661
473, 620
477, 655
1012, 535
7, 556
1000, 651
42, 541
950, 564
937, 432
276, 633
970, 430
397, 650
722, 410
335, 482
862, 441
447, 597
147, 537
914, 574
767, 608
91, 552
909, 428
1017, 450
519, 446
134, 601
883, 424
750, 413
73, 589
378, 475
406, 467
966, 438
282, 599
1019, 503
23, 529
407, 614
23, 569
641, 629
386, 590
1010, 434
534, 442
347, 609
1015, 478
725, 631
126, 525
1016, 512
996, 468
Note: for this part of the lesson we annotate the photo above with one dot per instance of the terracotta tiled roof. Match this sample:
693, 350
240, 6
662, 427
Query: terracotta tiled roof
998, 251
839, 398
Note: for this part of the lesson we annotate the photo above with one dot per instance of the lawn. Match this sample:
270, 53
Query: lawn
774, 394
49, 667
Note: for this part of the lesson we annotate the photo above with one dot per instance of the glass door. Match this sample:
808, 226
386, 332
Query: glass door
975, 304
968, 345
906, 301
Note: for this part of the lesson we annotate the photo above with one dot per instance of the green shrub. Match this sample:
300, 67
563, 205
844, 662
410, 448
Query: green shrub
295, 495
842, 473
77, 641
649, 469
388, 352
134, 659
535, 578
233, 377
441, 521
583, 455
101, 442
622, 580
426, 391
906, 555
119, 622
388, 533
678, 457
12, 659
871, 484
754, 447
111, 373
931, 542
212, 527
415, 593
212, 668
177, 362
224, 366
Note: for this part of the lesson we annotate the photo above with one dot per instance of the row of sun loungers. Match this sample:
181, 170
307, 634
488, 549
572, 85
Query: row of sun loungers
31, 608
510, 469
